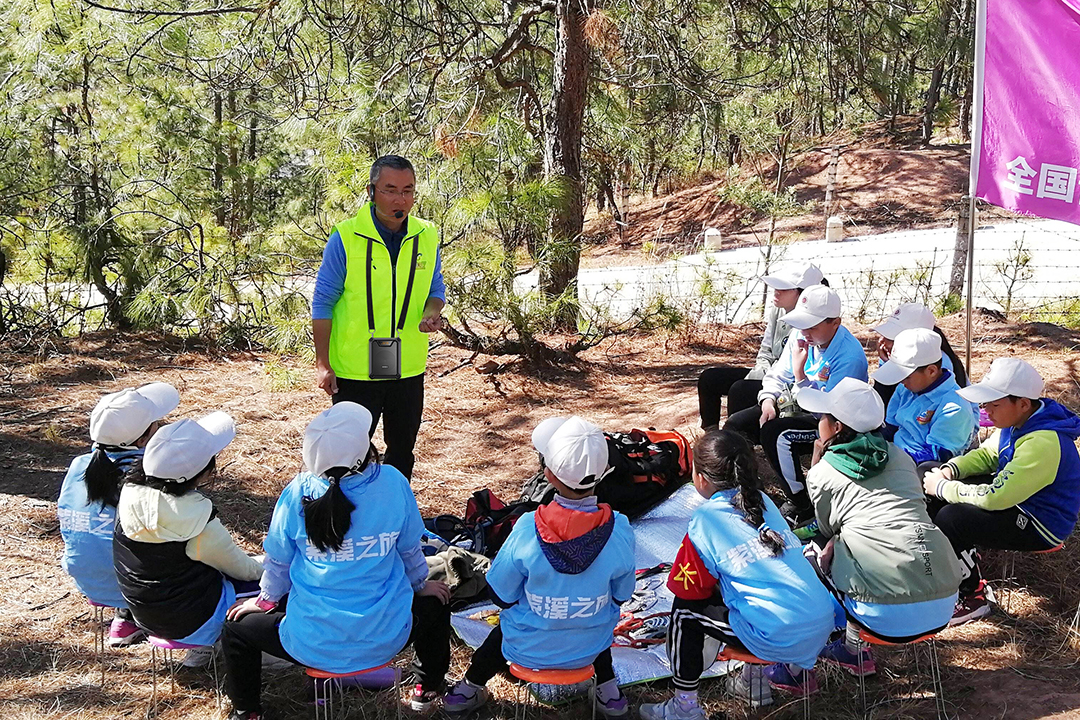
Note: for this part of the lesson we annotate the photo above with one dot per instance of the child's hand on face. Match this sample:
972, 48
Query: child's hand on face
798, 359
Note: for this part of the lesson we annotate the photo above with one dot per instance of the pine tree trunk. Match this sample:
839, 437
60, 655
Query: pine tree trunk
562, 150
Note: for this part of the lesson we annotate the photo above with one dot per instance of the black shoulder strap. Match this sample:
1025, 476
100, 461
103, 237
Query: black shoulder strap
408, 286
370, 303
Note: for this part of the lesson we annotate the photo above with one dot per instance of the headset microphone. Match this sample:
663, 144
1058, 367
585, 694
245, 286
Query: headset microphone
399, 214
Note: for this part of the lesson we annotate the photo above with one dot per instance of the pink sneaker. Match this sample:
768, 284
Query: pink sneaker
123, 633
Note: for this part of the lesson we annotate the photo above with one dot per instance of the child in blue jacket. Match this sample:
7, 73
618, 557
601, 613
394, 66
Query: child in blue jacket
926, 416
1020, 490
344, 585
560, 576
740, 578
820, 353
120, 426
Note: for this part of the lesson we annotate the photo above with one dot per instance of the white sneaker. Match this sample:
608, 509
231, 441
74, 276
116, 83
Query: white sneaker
750, 686
198, 657
671, 710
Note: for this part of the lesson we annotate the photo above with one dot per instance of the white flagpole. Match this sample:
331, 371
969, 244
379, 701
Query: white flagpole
976, 149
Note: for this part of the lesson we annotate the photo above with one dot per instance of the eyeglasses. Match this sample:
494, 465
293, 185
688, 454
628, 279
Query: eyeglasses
407, 193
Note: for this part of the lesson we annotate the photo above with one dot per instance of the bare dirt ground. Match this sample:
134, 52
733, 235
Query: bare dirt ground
475, 434
886, 181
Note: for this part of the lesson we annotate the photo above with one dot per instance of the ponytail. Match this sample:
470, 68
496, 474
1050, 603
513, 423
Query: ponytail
959, 371
102, 478
726, 460
328, 518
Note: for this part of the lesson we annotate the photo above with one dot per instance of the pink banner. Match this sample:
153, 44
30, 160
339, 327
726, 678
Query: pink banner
1027, 125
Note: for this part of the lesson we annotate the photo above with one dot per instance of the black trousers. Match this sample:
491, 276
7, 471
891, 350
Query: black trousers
716, 382
785, 441
244, 641
400, 403
969, 527
488, 661
691, 622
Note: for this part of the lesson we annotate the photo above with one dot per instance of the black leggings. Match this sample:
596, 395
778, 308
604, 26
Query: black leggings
784, 441
488, 661
691, 622
969, 527
400, 403
244, 641
716, 382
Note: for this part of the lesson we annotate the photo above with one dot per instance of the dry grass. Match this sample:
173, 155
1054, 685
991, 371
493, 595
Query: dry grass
475, 434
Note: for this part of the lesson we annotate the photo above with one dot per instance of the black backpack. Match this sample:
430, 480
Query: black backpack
647, 466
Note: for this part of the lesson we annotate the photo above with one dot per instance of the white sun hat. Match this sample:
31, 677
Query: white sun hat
911, 350
575, 450
792, 275
906, 317
1007, 376
180, 451
816, 303
121, 418
337, 437
851, 401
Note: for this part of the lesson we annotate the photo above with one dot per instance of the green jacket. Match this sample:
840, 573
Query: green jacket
351, 332
887, 550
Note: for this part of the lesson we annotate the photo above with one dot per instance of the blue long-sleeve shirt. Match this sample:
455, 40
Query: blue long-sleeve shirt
330, 282
933, 424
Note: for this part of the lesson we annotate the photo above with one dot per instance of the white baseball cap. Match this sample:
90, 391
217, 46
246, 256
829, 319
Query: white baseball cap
1007, 376
792, 275
851, 401
911, 350
816, 303
337, 437
906, 317
121, 418
180, 451
575, 450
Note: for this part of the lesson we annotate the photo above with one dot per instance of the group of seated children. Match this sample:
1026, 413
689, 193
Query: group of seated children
896, 505
1020, 490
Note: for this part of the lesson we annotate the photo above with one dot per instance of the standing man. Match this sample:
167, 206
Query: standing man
380, 286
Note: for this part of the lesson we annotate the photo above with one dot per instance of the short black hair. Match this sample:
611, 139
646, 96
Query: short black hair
394, 162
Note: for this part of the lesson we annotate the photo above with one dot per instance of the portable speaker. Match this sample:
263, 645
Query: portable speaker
384, 355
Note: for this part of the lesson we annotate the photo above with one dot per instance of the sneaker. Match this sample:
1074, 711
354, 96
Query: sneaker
423, 700
198, 657
796, 515
807, 531
618, 707
798, 684
750, 686
837, 653
123, 633
252, 715
673, 709
464, 697
970, 607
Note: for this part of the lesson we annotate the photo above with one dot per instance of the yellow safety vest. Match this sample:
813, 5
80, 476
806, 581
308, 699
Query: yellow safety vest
350, 331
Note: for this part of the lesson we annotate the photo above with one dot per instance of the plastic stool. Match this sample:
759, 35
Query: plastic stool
869, 638
167, 647
99, 636
744, 656
324, 691
554, 677
1009, 567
